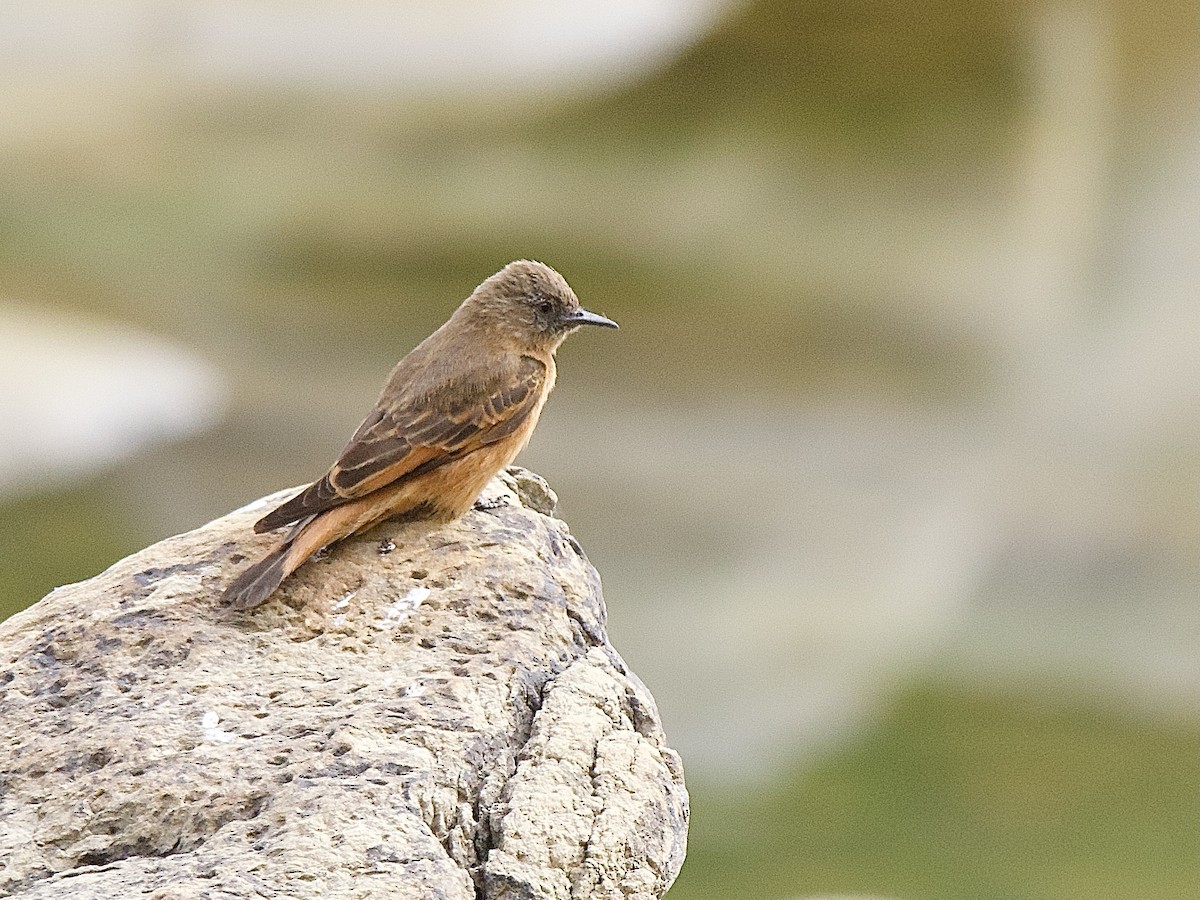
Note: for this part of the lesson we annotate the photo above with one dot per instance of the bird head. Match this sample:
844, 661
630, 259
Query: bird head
530, 304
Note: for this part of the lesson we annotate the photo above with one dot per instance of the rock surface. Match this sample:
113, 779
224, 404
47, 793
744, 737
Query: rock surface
424, 712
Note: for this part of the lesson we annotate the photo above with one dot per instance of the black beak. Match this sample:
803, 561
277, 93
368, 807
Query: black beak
583, 317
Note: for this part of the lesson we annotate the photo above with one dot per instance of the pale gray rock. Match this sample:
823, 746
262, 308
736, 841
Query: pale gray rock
424, 712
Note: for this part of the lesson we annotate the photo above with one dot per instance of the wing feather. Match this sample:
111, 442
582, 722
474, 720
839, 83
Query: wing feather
414, 435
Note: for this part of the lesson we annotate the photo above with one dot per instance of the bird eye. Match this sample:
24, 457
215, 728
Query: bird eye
545, 306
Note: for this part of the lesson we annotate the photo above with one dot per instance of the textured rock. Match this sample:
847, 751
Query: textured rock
425, 712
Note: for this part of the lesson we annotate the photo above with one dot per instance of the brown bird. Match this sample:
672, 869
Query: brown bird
453, 413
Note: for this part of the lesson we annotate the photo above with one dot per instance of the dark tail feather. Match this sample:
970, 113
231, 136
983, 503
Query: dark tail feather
317, 497
258, 581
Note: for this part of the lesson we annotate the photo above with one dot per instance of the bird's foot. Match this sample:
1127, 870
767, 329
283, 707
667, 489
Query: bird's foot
482, 505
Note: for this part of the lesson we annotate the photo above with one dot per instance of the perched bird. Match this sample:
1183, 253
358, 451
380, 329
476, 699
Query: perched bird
453, 413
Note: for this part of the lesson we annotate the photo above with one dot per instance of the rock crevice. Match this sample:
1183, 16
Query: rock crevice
425, 711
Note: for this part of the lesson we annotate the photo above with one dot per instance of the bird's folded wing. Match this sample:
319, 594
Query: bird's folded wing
412, 438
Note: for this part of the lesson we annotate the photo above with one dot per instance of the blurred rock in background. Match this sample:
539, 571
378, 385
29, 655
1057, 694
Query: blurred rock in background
82, 395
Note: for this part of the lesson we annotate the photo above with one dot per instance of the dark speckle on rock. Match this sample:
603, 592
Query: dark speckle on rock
576, 546
157, 573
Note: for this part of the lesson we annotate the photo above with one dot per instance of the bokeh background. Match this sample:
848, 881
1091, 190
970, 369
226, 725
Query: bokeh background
892, 472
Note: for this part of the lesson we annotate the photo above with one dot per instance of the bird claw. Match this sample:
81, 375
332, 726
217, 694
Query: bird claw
482, 505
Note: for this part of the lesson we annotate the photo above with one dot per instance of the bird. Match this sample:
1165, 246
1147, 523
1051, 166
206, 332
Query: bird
453, 412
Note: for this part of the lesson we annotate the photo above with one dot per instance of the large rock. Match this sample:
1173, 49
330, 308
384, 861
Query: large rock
425, 712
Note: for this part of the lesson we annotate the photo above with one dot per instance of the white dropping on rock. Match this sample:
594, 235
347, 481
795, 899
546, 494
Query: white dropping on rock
209, 723
401, 608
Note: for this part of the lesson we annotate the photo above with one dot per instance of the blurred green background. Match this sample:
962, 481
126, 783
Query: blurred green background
891, 473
